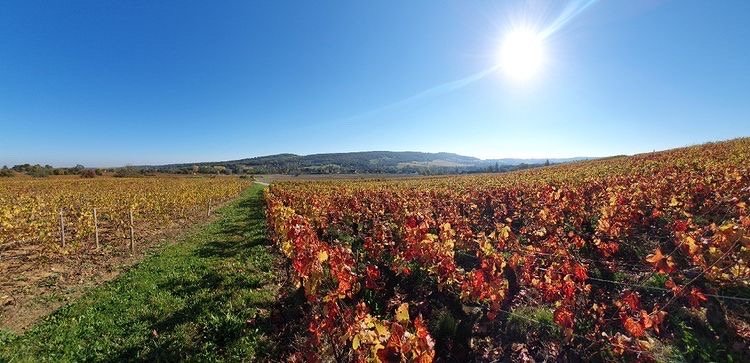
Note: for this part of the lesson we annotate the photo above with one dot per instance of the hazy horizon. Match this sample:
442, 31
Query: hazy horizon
71, 164
186, 161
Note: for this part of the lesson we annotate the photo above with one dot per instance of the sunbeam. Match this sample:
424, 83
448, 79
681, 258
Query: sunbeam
521, 57
435, 91
569, 13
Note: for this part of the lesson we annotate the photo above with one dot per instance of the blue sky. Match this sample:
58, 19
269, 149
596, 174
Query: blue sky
107, 83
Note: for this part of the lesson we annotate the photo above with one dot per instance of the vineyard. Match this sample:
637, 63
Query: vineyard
628, 258
59, 235
37, 211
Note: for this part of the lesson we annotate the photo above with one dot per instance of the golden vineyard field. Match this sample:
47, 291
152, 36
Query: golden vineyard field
30, 208
635, 258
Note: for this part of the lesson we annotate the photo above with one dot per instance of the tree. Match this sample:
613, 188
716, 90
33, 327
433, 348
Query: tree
5, 172
127, 172
21, 168
38, 171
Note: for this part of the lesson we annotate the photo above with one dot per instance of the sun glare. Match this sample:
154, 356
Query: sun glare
522, 54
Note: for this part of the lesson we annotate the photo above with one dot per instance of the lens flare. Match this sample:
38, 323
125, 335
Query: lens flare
522, 54
521, 57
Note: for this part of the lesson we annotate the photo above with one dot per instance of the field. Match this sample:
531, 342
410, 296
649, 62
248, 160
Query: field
38, 265
31, 209
639, 258
628, 258
206, 297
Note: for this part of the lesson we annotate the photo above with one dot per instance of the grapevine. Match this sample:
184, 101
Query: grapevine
580, 240
30, 209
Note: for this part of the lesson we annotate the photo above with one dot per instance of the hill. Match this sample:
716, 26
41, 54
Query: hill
407, 162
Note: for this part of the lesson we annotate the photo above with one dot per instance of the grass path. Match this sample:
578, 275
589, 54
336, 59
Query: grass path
206, 298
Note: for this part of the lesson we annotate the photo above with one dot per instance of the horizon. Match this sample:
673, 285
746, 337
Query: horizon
107, 84
368, 151
266, 155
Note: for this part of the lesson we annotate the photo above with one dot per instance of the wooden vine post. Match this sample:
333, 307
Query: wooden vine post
62, 228
208, 214
132, 238
96, 230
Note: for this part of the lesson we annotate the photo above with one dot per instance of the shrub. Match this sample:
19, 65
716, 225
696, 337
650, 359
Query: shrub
88, 173
128, 172
39, 173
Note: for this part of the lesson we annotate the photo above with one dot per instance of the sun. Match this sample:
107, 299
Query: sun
522, 54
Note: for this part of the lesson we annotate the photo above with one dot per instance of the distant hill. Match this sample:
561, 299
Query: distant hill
356, 162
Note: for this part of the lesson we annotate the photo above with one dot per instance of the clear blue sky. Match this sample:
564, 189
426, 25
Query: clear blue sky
107, 83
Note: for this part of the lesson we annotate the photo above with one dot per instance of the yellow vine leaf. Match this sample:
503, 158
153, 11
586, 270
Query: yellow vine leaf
402, 313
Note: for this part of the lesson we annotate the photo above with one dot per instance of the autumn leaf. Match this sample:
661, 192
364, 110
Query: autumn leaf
696, 297
563, 317
661, 263
657, 318
645, 320
422, 332
681, 225
633, 327
619, 343
505, 232
670, 284
693, 246
579, 272
631, 300
742, 207
381, 329
388, 354
287, 248
673, 202
372, 277
402, 313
